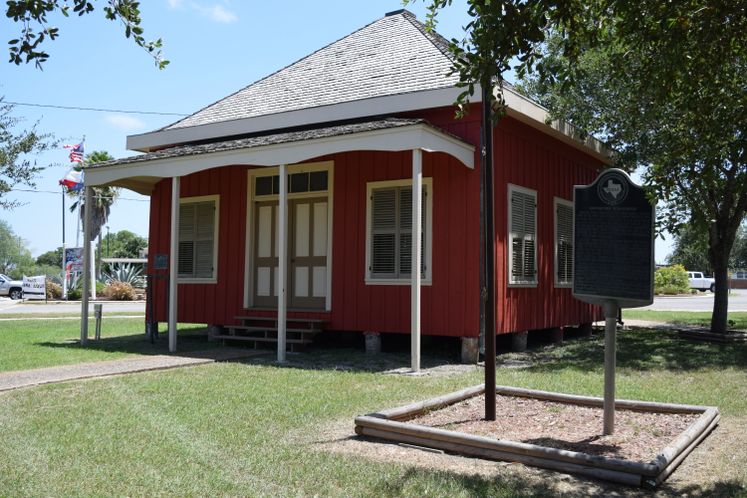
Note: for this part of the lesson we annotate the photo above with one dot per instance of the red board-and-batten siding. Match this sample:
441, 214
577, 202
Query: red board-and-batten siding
450, 306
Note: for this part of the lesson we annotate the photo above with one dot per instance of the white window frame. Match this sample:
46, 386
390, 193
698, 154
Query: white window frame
216, 224
557, 202
509, 260
427, 227
252, 174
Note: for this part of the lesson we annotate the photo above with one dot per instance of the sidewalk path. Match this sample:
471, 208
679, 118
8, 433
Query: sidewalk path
49, 375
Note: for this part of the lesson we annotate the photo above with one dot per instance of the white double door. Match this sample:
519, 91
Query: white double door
307, 253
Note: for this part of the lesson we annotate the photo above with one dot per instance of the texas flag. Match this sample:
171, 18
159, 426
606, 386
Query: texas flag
73, 180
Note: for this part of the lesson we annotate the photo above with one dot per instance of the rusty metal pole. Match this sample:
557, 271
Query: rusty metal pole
488, 292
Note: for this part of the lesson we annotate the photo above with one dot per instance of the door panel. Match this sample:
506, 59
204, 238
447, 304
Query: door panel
266, 255
308, 250
307, 254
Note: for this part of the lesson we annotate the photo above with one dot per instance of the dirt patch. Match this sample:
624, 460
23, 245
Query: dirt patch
638, 436
717, 467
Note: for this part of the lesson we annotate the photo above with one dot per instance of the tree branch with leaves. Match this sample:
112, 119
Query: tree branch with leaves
664, 83
17, 151
35, 30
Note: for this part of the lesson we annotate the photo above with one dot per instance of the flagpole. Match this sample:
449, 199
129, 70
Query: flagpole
64, 268
77, 223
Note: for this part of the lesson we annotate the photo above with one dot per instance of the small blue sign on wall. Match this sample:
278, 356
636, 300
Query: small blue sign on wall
161, 262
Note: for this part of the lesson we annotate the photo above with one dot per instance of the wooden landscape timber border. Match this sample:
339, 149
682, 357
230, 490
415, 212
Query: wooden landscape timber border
708, 336
390, 425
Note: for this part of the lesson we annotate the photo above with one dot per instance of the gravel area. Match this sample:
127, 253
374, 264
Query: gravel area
638, 436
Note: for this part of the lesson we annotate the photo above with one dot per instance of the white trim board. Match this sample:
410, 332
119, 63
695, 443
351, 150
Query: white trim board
405, 138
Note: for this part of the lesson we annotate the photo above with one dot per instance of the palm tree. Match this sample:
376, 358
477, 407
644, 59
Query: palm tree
103, 197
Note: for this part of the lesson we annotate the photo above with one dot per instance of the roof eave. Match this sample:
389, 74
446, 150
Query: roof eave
142, 175
519, 107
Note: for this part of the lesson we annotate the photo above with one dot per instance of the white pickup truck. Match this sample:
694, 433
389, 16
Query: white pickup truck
10, 288
698, 281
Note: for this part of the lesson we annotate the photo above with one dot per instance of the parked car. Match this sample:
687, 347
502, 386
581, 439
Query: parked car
699, 281
10, 288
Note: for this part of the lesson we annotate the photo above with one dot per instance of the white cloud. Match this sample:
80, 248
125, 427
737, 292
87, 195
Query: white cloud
124, 122
174, 3
217, 13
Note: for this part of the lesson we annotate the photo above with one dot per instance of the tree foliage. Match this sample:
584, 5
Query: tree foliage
739, 252
17, 148
691, 250
664, 82
32, 16
123, 244
15, 257
51, 258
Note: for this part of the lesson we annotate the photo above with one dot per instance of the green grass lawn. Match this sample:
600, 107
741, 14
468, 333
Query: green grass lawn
249, 428
738, 320
26, 344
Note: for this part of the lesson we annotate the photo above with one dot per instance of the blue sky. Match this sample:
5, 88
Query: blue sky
215, 47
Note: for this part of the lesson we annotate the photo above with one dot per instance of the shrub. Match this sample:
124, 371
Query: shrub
74, 294
100, 288
54, 291
671, 280
120, 291
127, 273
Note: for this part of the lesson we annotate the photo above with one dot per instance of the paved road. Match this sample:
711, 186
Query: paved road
698, 302
8, 306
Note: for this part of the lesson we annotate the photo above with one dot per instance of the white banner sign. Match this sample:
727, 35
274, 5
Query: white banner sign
35, 287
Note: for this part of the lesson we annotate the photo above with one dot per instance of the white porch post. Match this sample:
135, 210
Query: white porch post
282, 259
86, 266
173, 262
417, 230
92, 245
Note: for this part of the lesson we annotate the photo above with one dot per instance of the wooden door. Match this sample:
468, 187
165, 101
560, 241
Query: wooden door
265, 288
307, 270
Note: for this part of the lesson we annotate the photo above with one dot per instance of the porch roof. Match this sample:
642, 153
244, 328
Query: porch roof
140, 173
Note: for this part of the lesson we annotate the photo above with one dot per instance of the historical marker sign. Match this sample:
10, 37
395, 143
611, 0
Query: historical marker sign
613, 242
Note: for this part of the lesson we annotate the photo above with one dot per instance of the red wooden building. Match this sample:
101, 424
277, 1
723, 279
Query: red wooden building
293, 198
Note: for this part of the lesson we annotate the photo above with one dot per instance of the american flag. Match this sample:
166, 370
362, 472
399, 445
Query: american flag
76, 152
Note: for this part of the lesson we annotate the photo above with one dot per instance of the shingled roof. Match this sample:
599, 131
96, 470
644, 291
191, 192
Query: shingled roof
393, 55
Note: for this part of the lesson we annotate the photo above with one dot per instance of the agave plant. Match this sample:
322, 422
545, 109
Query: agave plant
127, 273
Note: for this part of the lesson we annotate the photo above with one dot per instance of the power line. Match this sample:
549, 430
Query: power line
57, 192
93, 109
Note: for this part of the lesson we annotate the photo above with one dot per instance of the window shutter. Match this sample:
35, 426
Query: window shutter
185, 266
391, 232
383, 231
186, 221
203, 267
405, 231
564, 235
517, 253
196, 239
523, 237
204, 220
